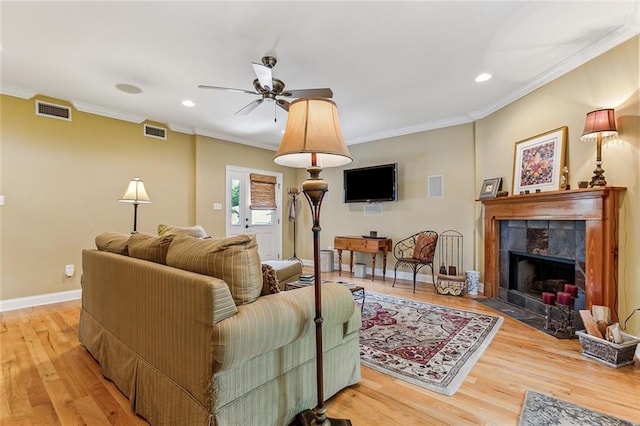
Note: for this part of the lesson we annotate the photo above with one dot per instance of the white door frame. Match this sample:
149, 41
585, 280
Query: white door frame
277, 224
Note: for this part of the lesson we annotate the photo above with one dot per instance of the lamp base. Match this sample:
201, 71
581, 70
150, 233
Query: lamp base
598, 177
308, 418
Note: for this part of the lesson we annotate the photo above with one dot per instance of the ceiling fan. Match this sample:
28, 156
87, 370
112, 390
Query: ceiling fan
270, 88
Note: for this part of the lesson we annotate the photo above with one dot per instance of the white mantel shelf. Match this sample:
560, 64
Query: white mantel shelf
598, 207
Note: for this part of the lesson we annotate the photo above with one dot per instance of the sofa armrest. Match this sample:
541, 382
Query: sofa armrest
274, 321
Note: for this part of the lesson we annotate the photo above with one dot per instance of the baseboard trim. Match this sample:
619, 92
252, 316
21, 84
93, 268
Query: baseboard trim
38, 300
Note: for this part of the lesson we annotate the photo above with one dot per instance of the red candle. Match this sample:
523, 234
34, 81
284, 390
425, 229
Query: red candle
548, 298
572, 289
563, 298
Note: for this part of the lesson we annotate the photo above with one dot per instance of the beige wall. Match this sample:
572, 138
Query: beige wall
447, 152
610, 81
62, 180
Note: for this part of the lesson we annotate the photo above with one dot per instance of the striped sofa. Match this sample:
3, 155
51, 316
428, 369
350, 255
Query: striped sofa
188, 347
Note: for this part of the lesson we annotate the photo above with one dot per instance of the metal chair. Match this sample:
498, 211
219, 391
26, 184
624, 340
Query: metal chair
451, 277
415, 252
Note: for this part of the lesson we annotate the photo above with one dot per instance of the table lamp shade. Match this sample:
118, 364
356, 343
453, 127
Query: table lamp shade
601, 121
312, 136
135, 193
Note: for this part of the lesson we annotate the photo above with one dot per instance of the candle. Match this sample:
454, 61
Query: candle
548, 298
563, 298
572, 289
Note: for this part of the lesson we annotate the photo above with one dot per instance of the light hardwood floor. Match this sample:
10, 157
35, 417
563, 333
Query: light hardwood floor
48, 378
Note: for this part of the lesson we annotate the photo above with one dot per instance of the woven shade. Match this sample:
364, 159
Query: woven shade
263, 192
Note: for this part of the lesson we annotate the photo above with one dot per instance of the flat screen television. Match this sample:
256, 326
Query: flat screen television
371, 184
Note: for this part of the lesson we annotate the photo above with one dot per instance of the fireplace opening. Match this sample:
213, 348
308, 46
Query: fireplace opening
527, 276
532, 274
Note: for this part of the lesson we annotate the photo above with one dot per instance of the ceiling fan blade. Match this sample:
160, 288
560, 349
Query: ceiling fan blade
204, 86
264, 76
249, 107
283, 104
308, 93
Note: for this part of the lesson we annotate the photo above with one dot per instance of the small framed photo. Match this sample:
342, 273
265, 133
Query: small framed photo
538, 162
490, 187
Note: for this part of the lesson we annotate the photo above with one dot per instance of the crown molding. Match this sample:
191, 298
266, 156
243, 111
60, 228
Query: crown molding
106, 112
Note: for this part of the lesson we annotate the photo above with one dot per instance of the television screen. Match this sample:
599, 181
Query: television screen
371, 184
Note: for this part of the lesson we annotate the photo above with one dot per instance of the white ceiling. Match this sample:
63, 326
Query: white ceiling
395, 67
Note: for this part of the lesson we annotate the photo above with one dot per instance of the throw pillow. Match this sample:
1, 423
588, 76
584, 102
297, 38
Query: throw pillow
149, 247
192, 231
269, 280
234, 260
113, 242
425, 247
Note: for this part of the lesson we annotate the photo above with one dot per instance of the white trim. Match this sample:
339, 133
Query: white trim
38, 300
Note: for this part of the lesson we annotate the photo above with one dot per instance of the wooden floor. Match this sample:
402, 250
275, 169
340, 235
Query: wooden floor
48, 378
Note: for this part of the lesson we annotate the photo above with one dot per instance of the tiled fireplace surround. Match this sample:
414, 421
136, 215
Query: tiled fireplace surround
580, 225
546, 243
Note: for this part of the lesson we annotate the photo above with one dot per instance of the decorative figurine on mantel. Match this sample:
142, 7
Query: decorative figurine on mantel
564, 179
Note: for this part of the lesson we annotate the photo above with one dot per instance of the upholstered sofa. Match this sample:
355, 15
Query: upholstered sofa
184, 328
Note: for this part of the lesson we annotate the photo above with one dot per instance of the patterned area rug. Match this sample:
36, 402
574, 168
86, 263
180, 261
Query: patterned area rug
430, 346
542, 409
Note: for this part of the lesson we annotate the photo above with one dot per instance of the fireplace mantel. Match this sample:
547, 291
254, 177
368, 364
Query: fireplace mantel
598, 207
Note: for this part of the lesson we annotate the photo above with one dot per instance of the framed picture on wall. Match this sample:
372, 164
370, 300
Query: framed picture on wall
490, 187
538, 162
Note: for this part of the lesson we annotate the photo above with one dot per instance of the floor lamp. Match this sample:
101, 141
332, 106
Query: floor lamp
135, 194
312, 140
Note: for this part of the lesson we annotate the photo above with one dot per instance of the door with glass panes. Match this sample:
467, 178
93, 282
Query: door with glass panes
253, 207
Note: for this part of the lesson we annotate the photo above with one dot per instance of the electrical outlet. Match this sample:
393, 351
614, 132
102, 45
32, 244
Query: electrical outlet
69, 270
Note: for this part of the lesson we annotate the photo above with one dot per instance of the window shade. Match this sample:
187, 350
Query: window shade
263, 192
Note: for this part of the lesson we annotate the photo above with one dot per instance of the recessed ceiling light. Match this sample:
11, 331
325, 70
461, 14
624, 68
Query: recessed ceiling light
483, 77
128, 88
188, 103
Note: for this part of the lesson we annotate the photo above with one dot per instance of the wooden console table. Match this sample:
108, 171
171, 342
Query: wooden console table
364, 245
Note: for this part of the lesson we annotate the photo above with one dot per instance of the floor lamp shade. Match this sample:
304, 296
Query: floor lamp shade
312, 140
312, 136
135, 194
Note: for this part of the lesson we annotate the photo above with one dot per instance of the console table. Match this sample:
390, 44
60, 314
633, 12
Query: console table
364, 245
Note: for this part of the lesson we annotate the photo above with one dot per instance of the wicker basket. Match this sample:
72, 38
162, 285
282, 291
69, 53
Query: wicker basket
612, 354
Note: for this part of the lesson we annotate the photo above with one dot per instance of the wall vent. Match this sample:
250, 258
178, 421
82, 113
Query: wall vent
155, 132
47, 109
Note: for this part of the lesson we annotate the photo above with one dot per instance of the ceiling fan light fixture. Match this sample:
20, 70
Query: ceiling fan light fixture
481, 78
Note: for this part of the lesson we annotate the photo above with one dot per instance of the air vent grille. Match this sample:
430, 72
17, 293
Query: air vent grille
155, 132
52, 110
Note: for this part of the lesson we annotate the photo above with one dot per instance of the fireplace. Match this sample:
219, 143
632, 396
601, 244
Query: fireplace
540, 256
580, 226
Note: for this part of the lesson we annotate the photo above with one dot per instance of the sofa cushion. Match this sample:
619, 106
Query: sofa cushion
113, 242
149, 247
269, 280
192, 231
234, 260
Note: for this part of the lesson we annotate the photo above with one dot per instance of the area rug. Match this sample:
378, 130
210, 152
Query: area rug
542, 409
430, 346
